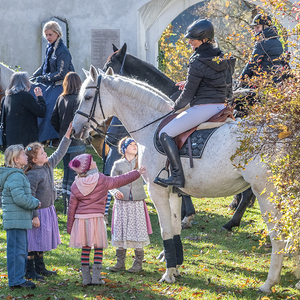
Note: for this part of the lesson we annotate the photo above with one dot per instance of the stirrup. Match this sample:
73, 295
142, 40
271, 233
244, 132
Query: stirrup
157, 179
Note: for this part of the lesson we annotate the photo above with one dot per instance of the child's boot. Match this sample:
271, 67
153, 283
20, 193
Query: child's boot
96, 279
30, 270
86, 274
138, 261
120, 265
40, 265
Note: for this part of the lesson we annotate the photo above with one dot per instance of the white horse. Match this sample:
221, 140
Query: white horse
136, 104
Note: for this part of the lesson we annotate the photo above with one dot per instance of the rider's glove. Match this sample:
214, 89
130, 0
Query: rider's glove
40, 79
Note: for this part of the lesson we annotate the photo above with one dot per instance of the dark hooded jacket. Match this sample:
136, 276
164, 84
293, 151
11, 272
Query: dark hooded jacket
266, 53
209, 78
20, 113
60, 64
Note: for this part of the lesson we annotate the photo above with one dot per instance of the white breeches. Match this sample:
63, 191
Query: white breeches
190, 118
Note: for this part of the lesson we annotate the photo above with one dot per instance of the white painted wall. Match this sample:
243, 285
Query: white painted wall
140, 22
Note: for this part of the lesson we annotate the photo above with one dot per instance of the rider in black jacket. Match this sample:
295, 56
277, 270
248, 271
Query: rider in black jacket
266, 55
207, 86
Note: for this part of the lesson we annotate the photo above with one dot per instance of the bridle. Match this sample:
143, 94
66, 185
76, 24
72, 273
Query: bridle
91, 115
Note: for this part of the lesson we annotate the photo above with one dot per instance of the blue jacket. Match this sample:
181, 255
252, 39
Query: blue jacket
266, 53
60, 64
17, 201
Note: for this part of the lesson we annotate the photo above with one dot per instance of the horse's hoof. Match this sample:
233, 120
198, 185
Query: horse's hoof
263, 290
297, 285
224, 229
177, 273
186, 226
167, 279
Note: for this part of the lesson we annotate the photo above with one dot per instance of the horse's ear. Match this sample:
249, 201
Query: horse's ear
123, 50
93, 73
110, 72
86, 72
115, 48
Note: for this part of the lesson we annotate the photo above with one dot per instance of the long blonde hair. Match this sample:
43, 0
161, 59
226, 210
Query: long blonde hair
53, 26
10, 154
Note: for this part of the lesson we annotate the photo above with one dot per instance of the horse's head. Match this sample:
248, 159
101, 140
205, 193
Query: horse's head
90, 111
117, 60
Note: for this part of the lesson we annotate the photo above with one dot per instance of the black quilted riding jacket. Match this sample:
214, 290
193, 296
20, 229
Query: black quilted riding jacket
209, 78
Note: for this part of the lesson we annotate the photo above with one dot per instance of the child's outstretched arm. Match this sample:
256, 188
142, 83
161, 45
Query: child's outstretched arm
118, 181
60, 152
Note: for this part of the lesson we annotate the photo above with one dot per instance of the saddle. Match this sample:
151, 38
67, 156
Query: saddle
194, 144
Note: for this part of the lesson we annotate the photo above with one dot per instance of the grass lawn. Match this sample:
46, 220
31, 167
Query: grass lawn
218, 265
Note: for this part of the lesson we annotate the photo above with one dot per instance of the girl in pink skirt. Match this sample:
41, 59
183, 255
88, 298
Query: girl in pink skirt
86, 210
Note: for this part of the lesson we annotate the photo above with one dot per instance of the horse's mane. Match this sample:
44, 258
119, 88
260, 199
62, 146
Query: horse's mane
140, 90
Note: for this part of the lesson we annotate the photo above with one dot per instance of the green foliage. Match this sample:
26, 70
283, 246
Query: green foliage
173, 58
272, 130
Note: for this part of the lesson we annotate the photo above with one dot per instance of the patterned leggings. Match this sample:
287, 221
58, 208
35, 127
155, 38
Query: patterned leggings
85, 255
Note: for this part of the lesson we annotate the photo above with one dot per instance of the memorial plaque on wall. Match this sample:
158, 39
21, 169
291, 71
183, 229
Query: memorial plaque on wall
101, 45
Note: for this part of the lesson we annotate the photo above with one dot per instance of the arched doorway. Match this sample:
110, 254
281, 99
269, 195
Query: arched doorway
153, 18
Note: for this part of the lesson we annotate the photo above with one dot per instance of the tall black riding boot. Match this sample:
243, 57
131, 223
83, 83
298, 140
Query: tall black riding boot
40, 267
171, 149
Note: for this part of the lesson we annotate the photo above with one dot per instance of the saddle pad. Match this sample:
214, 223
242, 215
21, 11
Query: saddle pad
199, 138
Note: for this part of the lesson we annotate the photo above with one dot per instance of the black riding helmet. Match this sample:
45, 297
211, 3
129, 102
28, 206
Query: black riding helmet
200, 30
261, 19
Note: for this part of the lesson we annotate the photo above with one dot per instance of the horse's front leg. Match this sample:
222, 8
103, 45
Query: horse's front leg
160, 197
175, 204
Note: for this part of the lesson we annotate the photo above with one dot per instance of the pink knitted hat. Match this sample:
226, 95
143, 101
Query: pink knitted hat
81, 163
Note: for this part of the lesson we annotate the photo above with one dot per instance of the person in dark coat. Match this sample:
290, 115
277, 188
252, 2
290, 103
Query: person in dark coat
50, 75
208, 85
21, 110
62, 115
266, 55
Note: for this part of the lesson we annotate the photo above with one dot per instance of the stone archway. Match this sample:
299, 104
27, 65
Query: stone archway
153, 19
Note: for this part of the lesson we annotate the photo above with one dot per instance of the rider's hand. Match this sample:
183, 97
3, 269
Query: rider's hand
40, 79
181, 84
119, 195
38, 91
142, 170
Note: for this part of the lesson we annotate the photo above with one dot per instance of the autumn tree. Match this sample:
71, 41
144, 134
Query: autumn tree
272, 128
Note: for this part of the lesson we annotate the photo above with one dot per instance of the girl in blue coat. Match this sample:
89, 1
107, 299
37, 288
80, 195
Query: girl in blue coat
18, 204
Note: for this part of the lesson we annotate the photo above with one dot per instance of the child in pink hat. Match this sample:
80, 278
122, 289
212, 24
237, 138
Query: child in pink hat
86, 209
